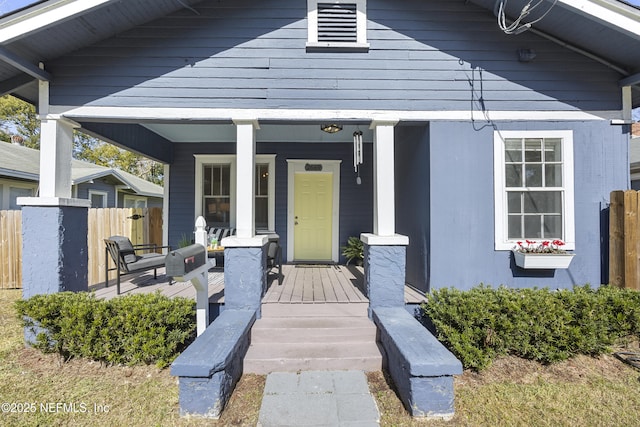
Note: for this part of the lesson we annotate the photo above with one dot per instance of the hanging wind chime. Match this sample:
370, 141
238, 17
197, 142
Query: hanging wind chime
357, 154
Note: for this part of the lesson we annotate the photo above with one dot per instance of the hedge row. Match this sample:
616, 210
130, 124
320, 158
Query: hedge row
142, 328
538, 324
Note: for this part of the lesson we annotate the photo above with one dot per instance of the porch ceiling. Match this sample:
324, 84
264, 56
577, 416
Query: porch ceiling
193, 133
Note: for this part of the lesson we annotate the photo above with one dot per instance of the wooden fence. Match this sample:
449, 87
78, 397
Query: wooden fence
140, 225
10, 249
624, 239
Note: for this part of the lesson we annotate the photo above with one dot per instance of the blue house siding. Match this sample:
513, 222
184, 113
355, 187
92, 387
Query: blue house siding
424, 55
356, 201
461, 250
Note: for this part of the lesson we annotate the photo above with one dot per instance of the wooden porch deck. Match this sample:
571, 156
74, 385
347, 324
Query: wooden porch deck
301, 284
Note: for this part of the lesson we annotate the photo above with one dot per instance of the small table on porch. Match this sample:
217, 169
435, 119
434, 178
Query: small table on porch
218, 254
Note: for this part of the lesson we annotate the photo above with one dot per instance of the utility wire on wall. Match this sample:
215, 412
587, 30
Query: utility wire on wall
518, 26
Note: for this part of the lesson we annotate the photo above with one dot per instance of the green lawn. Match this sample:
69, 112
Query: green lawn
513, 392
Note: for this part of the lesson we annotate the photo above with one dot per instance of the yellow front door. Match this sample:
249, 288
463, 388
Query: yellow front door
313, 212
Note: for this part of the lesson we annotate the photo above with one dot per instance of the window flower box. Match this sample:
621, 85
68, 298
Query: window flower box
541, 260
542, 255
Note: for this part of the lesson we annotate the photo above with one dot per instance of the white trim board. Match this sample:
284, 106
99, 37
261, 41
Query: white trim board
224, 115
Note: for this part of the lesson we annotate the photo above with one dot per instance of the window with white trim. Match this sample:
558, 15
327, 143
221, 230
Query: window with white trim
98, 199
216, 190
534, 188
337, 23
134, 201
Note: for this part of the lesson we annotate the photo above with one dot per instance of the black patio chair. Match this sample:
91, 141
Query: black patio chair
123, 254
274, 258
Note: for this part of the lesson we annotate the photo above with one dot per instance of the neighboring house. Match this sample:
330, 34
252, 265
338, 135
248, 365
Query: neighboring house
104, 187
634, 156
473, 139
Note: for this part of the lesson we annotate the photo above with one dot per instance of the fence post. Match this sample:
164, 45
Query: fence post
630, 239
616, 239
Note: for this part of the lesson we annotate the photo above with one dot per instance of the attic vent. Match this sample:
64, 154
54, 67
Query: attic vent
337, 23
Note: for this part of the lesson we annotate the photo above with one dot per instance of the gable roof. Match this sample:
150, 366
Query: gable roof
24, 163
606, 30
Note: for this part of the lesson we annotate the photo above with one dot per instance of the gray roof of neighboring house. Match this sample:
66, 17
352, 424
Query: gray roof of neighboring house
605, 29
24, 163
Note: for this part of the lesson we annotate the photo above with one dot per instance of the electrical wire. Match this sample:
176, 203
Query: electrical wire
517, 26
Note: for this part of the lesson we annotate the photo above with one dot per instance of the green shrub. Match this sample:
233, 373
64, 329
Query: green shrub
537, 324
134, 329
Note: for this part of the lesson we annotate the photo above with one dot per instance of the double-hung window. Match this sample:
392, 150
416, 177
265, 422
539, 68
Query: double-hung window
216, 189
337, 23
533, 187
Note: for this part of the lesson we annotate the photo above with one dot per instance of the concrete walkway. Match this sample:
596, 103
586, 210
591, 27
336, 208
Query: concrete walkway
318, 398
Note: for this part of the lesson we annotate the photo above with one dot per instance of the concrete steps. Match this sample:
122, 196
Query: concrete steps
301, 337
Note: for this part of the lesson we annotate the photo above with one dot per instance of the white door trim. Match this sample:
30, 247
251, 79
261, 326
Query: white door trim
298, 165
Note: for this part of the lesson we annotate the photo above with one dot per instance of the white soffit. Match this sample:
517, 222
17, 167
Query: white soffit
613, 14
44, 16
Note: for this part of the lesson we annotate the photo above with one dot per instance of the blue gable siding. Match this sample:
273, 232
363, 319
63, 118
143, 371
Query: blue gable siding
98, 185
461, 249
424, 55
356, 201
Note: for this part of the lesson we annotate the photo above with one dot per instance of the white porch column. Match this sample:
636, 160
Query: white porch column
384, 217
245, 180
56, 145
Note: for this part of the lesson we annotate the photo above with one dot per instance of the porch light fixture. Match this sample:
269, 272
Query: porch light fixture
331, 128
357, 154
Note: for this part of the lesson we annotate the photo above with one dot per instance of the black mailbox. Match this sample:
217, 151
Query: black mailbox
183, 260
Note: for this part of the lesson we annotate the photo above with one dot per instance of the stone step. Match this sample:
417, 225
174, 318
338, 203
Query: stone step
313, 330
315, 310
264, 358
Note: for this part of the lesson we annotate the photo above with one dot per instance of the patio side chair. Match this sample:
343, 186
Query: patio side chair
123, 254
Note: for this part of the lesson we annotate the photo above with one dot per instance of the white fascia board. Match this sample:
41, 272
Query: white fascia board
220, 115
42, 17
613, 14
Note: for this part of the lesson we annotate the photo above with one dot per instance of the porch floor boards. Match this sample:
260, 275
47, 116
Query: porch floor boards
304, 284
301, 284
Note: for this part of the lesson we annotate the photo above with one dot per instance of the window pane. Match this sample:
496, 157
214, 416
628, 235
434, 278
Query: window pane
532, 226
552, 226
514, 200
217, 211
97, 201
215, 181
513, 149
553, 175
533, 174
262, 180
515, 227
226, 180
533, 150
262, 213
552, 151
513, 175
206, 184
543, 202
